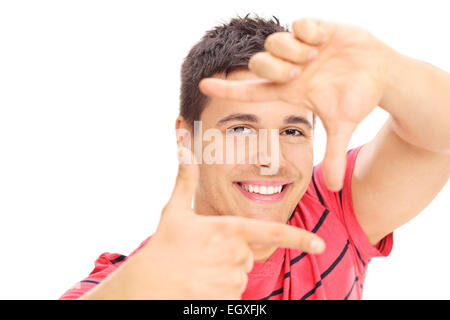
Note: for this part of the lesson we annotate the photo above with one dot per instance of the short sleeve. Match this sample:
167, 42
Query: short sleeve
341, 204
105, 265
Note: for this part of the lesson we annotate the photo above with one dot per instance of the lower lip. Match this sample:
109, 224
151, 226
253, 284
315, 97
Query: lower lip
263, 198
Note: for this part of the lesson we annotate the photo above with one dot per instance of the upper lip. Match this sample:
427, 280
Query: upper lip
263, 182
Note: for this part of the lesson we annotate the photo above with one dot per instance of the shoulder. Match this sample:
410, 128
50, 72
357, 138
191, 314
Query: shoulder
104, 265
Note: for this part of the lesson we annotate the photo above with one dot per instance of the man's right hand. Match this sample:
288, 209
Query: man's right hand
193, 256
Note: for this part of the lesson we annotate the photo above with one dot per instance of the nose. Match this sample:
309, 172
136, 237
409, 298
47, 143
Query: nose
267, 155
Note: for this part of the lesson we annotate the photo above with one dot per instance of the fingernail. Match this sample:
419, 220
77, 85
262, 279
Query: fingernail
183, 155
317, 245
294, 73
312, 54
324, 38
323, 33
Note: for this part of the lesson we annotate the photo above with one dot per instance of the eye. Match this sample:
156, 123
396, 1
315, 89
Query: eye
240, 130
292, 132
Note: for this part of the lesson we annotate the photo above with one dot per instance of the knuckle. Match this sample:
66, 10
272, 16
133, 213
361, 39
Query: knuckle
271, 41
240, 256
303, 238
307, 22
223, 227
276, 235
300, 51
256, 60
279, 73
298, 24
287, 69
303, 27
252, 64
300, 56
258, 56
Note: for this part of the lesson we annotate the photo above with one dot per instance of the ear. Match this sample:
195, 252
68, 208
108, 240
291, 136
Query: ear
183, 131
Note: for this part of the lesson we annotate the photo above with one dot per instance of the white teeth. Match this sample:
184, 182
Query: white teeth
262, 189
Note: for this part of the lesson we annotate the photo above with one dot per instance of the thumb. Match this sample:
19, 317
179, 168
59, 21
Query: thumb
187, 179
335, 159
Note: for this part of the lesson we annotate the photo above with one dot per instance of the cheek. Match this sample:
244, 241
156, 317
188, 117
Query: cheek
299, 157
214, 177
215, 187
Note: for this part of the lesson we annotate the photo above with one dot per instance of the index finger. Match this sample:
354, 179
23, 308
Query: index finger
243, 90
280, 235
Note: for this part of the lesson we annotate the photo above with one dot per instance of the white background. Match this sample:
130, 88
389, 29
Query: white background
89, 91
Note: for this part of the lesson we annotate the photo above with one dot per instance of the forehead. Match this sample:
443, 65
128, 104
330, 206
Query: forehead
266, 111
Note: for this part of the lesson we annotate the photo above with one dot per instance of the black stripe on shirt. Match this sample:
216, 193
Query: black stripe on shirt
276, 292
90, 281
317, 190
359, 256
384, 244
301, 256
334, 264
351, 289
314, 230
311, 292
292, 215
379, 244
321, 220
118, 259
327, 272
298, 258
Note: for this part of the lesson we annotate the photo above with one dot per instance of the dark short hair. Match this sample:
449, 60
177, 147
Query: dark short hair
225, 48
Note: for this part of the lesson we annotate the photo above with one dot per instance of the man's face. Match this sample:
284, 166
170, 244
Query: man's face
241, 189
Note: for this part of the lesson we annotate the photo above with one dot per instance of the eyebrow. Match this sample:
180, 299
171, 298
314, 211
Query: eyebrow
297, 119
292, 119
238, 117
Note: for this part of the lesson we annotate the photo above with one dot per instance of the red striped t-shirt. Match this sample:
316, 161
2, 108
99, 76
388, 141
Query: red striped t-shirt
290, 274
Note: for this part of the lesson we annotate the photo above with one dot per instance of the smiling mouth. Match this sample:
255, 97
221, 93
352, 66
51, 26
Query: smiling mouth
262, 191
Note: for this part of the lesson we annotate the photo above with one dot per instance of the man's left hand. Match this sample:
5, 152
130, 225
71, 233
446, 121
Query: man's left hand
337, 71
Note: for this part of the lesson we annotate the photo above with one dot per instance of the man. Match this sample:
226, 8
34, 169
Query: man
301, 232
